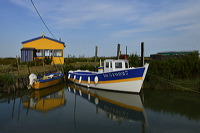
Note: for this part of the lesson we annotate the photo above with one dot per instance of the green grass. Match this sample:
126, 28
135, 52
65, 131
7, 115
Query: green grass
9, 74
174, 73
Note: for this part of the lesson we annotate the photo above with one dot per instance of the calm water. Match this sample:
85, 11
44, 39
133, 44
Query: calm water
76, 109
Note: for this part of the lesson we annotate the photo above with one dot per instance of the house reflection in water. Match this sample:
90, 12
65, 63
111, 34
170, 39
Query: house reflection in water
118, 106
46, 99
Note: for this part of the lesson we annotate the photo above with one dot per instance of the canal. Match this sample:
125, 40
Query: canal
71, 108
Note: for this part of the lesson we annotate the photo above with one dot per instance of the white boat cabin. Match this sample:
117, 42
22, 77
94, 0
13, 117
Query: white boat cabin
114, 65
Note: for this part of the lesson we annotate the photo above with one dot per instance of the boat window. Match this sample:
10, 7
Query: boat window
126, 64
118, 64
58, 53
107, 64
110, 64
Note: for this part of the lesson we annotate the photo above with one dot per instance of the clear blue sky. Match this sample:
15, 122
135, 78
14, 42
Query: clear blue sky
163, 25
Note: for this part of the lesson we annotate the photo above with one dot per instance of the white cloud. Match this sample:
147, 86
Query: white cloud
129, 32
136, 14
189, 27
66, 14
175, 18
182, 14
100, 12
22, 3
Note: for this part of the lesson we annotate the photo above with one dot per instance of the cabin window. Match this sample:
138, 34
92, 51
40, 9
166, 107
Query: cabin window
118, 64
58, 53
107, 64
126, 64
39, 52
48, 52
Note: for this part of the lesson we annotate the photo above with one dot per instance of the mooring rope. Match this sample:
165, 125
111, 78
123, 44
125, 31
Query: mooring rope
174, 83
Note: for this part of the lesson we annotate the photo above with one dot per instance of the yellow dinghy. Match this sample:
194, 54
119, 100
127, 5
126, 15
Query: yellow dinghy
44, 81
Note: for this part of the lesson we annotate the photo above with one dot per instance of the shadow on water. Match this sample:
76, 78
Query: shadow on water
173, 102
46, 99
118, 106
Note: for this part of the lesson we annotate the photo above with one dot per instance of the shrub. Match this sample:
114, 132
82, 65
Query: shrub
48, 60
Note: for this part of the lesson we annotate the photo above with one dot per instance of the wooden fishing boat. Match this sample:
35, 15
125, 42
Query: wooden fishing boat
44, 81
115, 75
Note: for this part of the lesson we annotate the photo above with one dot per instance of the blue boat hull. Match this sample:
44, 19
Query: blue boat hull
129, 80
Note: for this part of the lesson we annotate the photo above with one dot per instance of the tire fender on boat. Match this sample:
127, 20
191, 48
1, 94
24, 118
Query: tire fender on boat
80, 78
69, 76
88, 81
74, 77
96, 80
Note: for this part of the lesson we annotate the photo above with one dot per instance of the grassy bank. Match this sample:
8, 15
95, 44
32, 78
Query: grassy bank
174, 73
10, 74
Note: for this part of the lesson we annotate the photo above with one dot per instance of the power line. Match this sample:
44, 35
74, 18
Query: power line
42, 19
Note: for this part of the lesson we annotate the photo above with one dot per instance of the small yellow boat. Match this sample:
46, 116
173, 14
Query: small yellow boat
44, 81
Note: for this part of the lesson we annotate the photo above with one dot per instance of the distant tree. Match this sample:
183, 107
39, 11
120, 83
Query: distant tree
134, 60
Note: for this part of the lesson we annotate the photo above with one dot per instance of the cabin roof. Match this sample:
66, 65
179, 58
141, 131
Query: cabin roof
37, 38
122, 60
27, 48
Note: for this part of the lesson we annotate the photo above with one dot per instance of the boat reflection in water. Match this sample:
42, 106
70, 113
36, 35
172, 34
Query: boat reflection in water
118, 106
46, 99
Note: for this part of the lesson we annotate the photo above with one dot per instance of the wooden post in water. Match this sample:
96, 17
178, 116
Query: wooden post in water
17, 58
142, 53
43, 64
126, 54
35, 66
13, 78
118, 51
96, 53
17, 84
27, 63
62, 69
